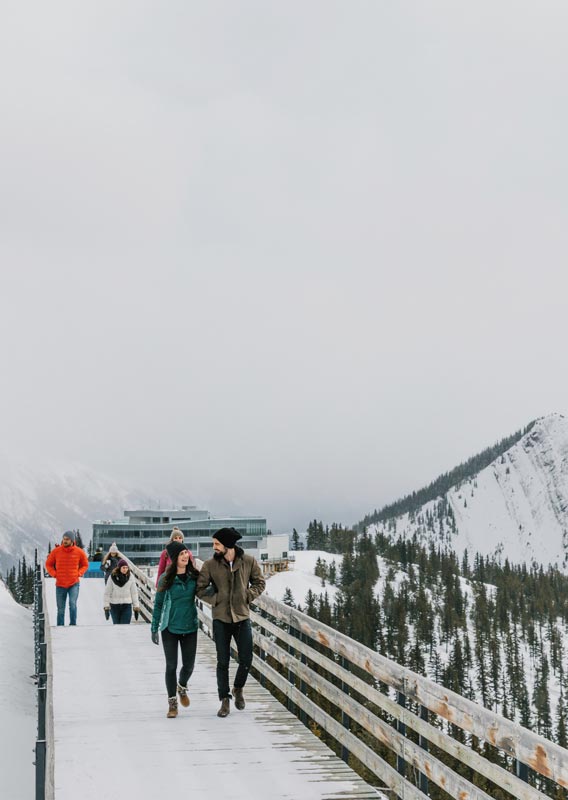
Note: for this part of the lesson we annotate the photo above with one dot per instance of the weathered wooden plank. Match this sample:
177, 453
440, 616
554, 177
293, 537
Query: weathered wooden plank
366, 756
542, 755
443, 776
506, 780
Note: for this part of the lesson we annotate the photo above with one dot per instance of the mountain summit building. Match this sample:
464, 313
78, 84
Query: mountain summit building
145, 532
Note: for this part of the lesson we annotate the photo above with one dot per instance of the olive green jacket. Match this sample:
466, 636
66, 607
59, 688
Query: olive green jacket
234, 590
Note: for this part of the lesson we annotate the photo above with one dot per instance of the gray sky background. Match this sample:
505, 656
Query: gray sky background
293, 258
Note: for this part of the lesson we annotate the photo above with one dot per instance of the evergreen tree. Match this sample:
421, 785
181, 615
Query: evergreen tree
288, 598
541, 699
561, 722
296, 543
310, 609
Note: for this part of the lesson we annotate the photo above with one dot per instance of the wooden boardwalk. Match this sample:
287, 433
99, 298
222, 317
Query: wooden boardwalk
112, 736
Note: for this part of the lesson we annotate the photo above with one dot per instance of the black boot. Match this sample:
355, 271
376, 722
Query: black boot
239, 698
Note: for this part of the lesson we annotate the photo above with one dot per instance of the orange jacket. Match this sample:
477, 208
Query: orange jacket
67, 564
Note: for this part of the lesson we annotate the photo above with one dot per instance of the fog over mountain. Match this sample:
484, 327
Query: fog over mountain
38, 501
515, 508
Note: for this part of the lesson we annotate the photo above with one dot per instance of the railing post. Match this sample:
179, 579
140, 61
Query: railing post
41, 705
303, 687
401, 728
40, 764
521, 770
262, 679
291, 676
423, 742
345, 720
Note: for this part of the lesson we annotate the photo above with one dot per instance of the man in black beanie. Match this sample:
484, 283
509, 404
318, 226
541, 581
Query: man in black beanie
237, 580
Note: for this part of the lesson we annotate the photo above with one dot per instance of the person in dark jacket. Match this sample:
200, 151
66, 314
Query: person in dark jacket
237, 581
175, 615
110, 561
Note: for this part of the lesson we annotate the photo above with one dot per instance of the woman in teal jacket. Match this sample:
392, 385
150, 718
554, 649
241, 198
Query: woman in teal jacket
175, 615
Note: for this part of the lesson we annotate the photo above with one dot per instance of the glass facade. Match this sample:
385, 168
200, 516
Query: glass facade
143, 536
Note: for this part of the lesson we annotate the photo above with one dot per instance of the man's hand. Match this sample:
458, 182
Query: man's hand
107, 613
136, 613
155, 637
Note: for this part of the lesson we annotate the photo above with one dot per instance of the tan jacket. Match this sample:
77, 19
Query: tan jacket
235, 589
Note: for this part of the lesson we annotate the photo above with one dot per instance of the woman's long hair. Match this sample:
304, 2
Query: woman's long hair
169, 575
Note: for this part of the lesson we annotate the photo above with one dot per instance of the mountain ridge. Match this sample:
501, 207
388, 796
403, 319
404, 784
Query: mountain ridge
515, 507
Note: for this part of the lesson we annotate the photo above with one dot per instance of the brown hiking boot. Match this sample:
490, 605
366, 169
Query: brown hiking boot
239, 698
183, 696
173, 707
225, 709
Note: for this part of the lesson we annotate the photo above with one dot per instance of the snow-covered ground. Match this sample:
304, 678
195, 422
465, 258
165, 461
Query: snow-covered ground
18, 693
301, 578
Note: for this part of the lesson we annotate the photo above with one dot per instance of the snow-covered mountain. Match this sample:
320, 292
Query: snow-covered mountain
515, 508
38, 501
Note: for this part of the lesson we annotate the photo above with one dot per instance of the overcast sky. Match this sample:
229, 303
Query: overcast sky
294, 258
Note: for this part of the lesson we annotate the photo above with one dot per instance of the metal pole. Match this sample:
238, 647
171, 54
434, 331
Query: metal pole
40, 646
40, 770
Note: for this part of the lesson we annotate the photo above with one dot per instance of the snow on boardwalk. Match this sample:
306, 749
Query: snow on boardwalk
112, 738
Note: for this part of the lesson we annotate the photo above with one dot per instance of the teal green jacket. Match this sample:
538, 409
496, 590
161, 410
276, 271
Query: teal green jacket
175, 608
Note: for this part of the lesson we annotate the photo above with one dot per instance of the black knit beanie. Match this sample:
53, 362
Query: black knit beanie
173, 549
228, 537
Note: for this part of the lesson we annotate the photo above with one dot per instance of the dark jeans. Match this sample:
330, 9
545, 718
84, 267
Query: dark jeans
121, 613
223, 632
61, 595
188, 646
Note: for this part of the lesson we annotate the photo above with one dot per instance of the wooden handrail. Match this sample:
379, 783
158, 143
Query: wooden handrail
317, 647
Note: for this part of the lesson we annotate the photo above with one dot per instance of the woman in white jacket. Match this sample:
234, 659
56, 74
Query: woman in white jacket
121, 595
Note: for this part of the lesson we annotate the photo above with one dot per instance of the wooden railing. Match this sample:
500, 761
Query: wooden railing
379, 711
146, 591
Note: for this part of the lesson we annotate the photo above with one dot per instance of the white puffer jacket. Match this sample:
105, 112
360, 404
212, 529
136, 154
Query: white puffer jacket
121, 594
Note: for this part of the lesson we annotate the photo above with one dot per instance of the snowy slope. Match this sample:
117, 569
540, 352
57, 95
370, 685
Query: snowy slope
38, 501
18, 716
300, 579
517, 507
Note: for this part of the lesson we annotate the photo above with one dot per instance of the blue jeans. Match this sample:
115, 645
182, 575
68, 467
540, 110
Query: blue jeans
223, 632
61, 594
121, 613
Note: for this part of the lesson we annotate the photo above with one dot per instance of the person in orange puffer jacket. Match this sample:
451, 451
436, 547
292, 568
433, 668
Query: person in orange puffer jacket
67, 563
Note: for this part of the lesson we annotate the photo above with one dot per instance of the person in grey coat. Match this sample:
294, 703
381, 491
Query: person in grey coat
237, 581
